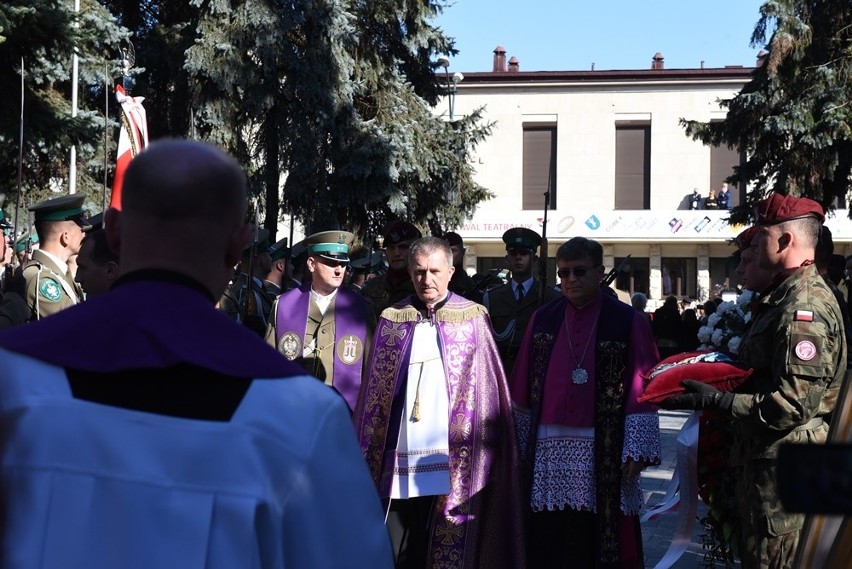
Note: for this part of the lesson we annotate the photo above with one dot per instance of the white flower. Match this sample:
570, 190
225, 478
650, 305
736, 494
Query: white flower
734, 344
704, 334
746, 297
713, 319
717, 337
726, 307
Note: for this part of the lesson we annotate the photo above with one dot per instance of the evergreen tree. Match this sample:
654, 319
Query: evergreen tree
793, 119
161, 33
45, 33
316, 94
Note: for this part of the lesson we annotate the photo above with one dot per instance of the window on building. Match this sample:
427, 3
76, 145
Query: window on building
723, 275
680, 277
539, 165
632, 165
636, 276
722, 162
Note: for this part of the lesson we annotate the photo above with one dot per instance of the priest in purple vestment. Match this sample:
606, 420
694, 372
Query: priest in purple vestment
583, 437
435, 424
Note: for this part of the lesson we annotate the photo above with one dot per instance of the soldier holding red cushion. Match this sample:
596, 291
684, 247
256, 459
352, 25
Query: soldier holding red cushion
796, 346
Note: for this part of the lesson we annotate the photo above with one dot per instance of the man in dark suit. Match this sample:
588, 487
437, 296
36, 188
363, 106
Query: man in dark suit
511, 305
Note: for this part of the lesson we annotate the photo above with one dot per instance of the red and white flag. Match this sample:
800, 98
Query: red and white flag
131, 141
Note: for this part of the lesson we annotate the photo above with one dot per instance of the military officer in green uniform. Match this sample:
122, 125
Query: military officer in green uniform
511, 305
60, 225
388, 289
796, 347
324, 326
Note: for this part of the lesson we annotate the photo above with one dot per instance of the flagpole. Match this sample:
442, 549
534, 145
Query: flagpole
20, 163
75, 64
106, 133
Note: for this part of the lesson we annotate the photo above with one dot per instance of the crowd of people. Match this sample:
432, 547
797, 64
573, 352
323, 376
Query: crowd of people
330, 412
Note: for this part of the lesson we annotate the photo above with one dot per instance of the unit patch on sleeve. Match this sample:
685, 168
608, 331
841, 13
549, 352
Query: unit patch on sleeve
805, 350
50, 289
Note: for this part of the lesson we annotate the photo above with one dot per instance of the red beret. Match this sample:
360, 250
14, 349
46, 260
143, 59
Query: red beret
399, 231
744, 239
453, 238
777, 208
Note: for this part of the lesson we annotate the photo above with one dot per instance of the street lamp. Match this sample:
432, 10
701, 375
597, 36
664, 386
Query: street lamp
452, 82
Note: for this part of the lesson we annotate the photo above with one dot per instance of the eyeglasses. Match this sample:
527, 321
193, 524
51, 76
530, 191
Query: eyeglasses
579, 272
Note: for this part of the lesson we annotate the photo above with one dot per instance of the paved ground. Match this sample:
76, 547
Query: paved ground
657, 534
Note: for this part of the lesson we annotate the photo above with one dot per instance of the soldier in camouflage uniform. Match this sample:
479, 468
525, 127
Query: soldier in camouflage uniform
796, 346
391, 287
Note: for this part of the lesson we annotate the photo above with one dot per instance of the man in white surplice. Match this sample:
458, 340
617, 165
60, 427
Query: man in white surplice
422, 464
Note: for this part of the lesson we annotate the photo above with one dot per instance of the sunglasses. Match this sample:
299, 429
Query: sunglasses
579, 272
333, 264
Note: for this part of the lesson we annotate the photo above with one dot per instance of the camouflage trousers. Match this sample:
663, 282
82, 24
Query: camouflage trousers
769, 534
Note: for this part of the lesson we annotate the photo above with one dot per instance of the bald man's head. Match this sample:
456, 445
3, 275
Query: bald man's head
182, 210
181, 179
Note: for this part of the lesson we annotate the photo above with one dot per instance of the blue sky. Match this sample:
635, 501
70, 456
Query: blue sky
570, 35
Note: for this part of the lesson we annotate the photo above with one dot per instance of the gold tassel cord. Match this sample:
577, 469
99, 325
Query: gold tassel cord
415, 409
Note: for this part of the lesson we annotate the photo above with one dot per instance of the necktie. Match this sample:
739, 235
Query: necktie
520, 293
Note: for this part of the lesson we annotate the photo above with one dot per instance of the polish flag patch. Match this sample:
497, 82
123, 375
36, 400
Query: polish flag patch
804, 316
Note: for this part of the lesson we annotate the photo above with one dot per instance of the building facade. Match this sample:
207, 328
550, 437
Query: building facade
610, 148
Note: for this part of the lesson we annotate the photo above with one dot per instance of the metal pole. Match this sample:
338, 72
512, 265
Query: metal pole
20, 162
450, 93
106, 133
75, 64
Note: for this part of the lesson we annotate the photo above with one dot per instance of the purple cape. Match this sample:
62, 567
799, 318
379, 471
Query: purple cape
350, 319
150, 320
480, 523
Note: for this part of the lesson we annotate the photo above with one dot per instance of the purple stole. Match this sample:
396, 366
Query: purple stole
350, 332
479, 523
612, 342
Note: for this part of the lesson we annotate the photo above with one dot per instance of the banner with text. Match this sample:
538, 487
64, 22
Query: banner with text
645, 225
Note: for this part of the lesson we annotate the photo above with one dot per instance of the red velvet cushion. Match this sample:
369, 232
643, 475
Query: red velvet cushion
664, 379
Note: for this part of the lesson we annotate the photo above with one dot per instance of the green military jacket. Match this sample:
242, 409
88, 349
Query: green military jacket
796, 346
49, 287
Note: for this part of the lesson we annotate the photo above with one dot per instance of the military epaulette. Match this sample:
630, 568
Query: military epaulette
34, 264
